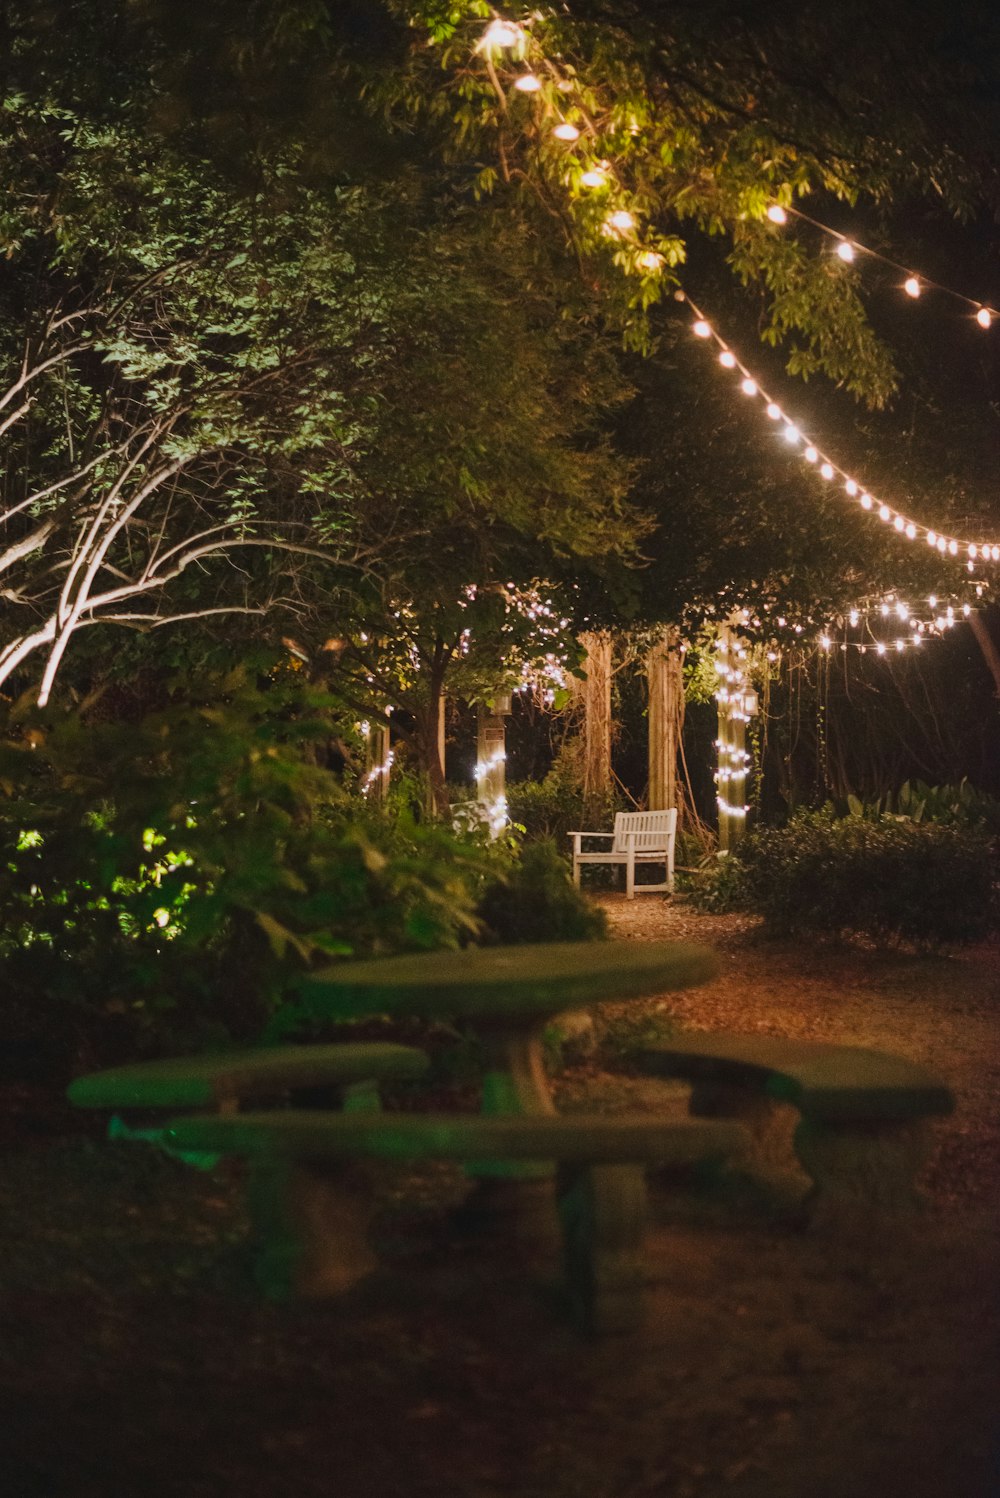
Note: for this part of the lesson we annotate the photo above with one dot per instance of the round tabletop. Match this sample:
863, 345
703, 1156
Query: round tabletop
506, 984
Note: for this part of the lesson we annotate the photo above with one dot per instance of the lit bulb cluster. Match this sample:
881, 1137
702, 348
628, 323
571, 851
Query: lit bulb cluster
971, 552
874, 621
913, 283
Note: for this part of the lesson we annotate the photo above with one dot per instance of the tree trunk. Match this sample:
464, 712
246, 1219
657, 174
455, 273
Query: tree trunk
665, 677
430, 745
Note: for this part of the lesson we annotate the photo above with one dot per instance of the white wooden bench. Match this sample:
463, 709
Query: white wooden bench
639, 837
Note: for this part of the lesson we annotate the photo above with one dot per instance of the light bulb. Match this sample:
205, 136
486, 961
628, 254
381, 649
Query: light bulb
942, 544
748, 386
953, 548
899, 523
984, 317
973, 550
528, 83
827, 470
594, 176
791, 434
932, 541
566, 131
851, 487
701, 329
727, 360
811, 455
867, 502
911, 286
777, 214
500, 34
621, 221
650, 260
880, 647
845, 250
773, 411
911, 530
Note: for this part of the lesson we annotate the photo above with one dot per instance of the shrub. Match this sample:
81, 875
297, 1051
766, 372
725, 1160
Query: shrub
536, 900
165, 881
550, 808
889, 879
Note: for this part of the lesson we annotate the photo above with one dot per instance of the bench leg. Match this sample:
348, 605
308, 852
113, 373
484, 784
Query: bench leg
770, 1124
603, 1212
310, 1227
862, 1171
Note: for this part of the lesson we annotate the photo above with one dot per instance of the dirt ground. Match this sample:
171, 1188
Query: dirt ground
136, 1358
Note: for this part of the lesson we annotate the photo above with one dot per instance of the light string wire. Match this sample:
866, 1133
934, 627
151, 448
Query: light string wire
914, 283
903, 524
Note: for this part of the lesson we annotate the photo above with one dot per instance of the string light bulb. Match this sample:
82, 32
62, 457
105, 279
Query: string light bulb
911, 286
846, 251
528, 83
621, 221
500, 35
984, 317
777, 214
594, 176
566, 131
701, 329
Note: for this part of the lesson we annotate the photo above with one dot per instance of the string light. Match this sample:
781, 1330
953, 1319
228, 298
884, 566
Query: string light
913, 283
528, 83
566, 131
904, 525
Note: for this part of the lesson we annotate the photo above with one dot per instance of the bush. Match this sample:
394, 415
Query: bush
165, 881
553, 807
890, 879
536, 900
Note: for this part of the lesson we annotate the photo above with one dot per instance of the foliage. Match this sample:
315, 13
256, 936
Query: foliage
179, 871
551, 808
893, 880
535, 900
961, 805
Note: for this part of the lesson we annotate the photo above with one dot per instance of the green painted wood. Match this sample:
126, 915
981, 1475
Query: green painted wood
202, 1081
311, 1135
507, 983
824, 1082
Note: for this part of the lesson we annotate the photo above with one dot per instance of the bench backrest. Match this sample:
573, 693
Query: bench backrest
646, 831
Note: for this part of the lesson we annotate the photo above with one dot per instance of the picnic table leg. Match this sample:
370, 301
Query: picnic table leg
513, 1198
309, 1226
603, 1212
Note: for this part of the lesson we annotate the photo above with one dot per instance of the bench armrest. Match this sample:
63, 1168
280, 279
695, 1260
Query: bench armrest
590, 834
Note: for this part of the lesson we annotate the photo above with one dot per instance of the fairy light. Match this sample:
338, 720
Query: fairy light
984, 317
846, 251
566, 131
528, 83
777, 214
594, 176
621, 221
912, 286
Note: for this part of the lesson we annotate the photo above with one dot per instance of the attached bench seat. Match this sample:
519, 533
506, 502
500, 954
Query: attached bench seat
639, 837
311, 1219
225, 1080
863, 1133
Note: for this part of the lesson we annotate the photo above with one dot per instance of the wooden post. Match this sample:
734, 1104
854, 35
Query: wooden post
732, 766
596, 692
665, 678
491, 760
378, 761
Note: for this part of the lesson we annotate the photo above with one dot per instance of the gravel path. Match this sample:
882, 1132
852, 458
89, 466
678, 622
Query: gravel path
135, 1357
